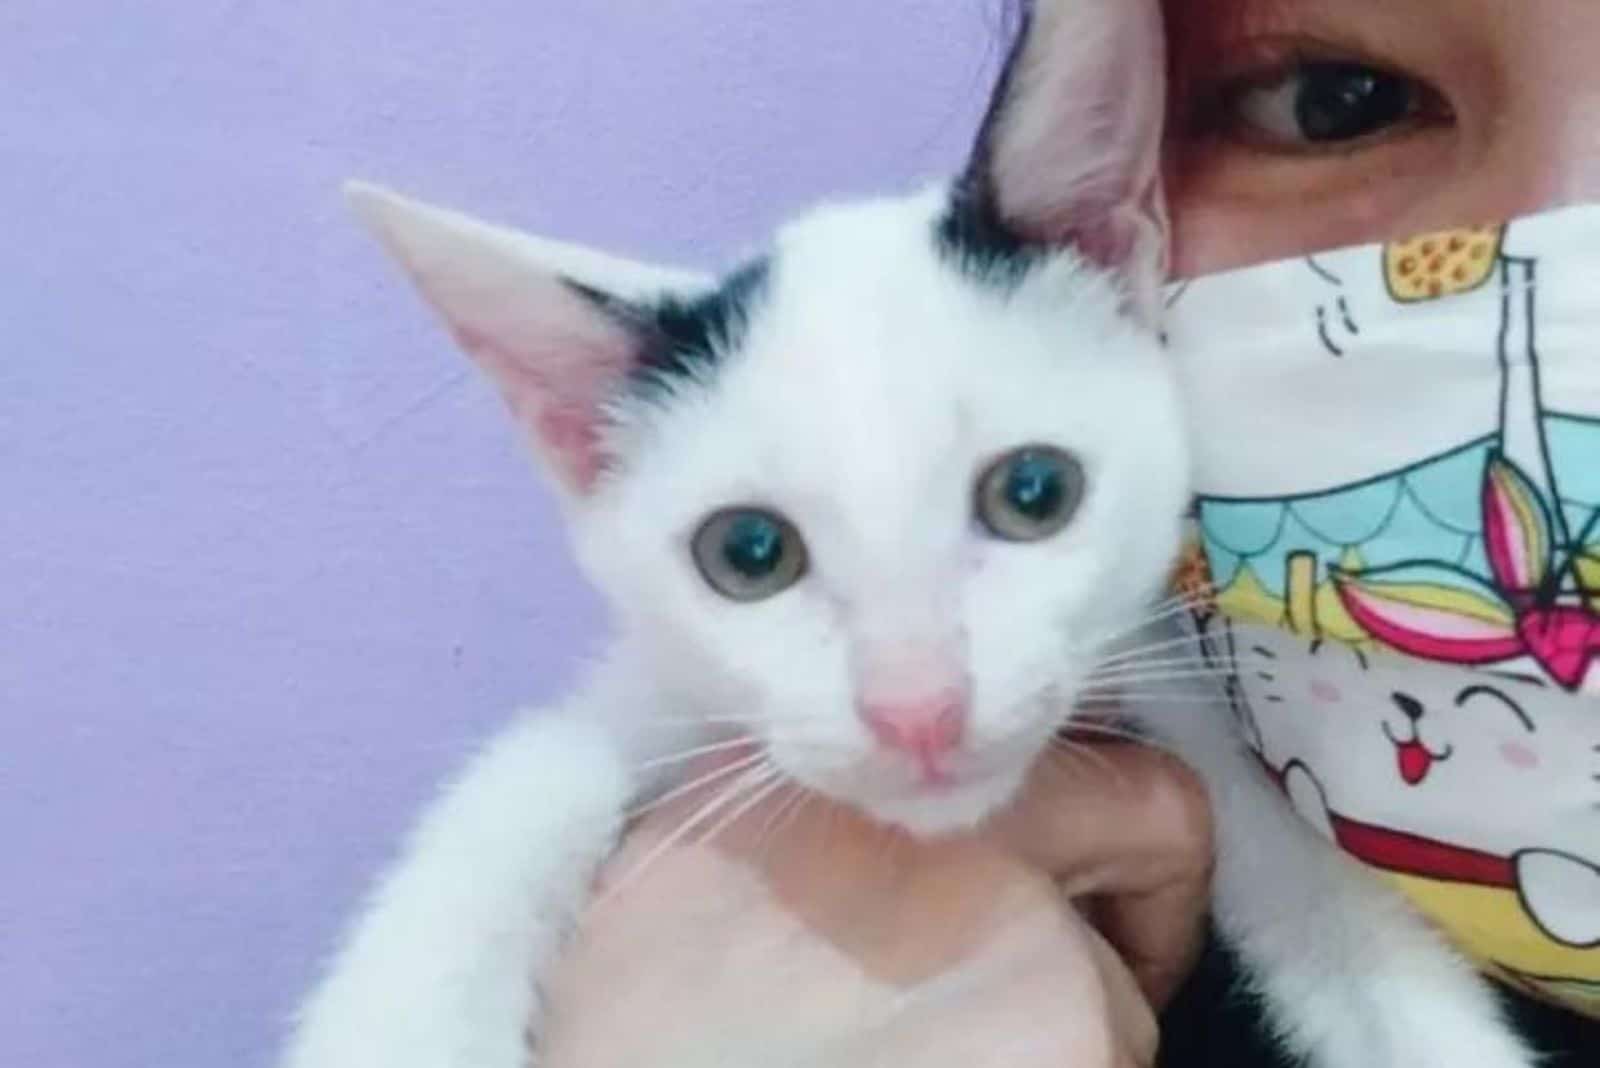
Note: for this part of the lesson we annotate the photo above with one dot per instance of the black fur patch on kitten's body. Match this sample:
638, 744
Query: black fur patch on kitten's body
973, 235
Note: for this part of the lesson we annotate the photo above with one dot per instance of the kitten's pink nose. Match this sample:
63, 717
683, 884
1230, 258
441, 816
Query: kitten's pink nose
928, 728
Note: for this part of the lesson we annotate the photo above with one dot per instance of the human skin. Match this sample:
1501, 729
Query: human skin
1434, 113
818, 938
1503, 119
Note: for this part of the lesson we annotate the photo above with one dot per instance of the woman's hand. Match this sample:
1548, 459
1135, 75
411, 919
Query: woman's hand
807, 936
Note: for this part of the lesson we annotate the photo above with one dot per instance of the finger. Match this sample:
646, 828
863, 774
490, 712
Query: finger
1135, 1033
1128, 828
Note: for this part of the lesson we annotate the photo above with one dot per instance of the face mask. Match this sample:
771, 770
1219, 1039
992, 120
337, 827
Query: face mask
1397, 562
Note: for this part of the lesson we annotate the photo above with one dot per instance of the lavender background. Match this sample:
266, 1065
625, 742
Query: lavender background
270, 560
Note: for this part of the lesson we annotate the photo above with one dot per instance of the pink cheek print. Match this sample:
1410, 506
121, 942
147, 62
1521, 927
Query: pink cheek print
1326, 692
1519, 756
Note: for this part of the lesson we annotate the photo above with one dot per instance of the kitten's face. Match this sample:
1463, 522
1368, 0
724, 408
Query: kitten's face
953, 494
887, 531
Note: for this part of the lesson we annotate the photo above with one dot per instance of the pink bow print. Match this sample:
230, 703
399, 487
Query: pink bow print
1440, 612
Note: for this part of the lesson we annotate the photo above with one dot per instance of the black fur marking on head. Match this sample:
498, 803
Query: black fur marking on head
692, 335
972, 235
683, 338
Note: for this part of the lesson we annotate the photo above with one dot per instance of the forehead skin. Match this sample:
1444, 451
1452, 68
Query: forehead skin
1520, 79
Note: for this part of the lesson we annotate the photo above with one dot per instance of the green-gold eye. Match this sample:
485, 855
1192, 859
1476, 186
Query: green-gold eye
749, 554
1030, 494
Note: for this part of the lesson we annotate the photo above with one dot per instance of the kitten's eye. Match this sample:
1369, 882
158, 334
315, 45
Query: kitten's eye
1030, 494
1323, 103
747, 554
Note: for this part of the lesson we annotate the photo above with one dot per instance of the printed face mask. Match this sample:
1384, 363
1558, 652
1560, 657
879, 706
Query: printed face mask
1397, 559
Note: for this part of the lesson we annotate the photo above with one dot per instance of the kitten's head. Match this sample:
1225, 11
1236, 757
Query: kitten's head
881, 495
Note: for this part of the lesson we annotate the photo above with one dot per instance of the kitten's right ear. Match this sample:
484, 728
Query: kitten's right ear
1070, 152
538, 316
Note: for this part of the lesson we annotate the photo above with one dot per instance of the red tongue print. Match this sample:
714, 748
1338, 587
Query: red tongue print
1415, 761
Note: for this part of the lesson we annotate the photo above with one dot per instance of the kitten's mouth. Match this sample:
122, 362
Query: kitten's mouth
954, 797
1413, 759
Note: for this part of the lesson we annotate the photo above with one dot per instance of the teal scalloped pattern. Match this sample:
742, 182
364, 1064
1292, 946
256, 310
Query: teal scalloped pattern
1426, 512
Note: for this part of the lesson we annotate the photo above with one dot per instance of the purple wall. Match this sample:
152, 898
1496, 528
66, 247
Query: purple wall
270, 559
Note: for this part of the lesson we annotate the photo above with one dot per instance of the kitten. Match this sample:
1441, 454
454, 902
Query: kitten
883, 499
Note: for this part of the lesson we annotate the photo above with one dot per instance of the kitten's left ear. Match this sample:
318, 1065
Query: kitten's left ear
540, 317
1070, 152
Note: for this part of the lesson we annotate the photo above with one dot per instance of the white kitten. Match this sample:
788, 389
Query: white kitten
882, 501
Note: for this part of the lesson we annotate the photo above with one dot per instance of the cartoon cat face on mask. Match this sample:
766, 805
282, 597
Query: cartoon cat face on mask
1416, 747
1438, 776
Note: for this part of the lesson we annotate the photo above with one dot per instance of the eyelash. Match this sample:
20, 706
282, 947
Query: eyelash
1273, 64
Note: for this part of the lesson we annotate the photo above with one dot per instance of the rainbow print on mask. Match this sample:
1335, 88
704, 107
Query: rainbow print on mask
1486, 554
1536, 603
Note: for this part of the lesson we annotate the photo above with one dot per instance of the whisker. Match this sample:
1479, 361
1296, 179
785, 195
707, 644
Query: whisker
1114, 734
1176, 601
1154, 676
804, 797
894, 841
1187, 640
752, 777
1160, 662
1098, 729
1168, 659
1160, 613
1147, 659
743, 764
1162, 698
1134, 670
1066, 747
1157, 661
771, 784
683, 755
1063, 752
765, 835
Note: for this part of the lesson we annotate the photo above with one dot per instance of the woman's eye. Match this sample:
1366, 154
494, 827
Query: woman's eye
1030, 494
749, 554
1323, 103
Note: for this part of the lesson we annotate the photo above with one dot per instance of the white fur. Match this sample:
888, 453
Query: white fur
873, 389
876, 383
441, 969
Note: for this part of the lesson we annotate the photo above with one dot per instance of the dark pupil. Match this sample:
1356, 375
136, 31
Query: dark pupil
753, 547
1033, 488
1343, 101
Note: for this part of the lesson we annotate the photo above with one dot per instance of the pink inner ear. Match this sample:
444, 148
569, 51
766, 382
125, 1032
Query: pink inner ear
1075, 153
575, 435
557, 389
